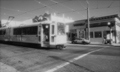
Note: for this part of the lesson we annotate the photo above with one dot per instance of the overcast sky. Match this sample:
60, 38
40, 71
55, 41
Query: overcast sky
76, 9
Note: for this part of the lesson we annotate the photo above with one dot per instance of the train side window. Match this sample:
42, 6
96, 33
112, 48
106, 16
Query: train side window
13, 31
31, 30
52, 29
17, 31
2, 32
25, 31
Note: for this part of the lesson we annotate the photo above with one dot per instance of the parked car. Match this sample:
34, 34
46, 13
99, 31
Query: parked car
81, 41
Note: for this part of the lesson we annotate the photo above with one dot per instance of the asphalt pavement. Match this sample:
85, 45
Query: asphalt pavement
74, 58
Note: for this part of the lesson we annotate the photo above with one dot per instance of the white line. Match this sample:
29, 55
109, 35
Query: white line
72, 60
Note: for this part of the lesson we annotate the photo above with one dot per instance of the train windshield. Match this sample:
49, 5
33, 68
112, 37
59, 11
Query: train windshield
61, 28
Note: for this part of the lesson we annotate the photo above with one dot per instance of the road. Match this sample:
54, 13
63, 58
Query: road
74, 58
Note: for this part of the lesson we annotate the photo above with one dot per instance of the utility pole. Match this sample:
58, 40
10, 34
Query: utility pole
88, 21
0, 24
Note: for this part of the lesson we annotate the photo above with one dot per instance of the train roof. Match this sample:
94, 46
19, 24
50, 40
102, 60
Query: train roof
2, 28
20, 26
26, 25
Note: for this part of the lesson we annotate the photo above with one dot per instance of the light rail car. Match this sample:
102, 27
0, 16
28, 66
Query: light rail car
46, 34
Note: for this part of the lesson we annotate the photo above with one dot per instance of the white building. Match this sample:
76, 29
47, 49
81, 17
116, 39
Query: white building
98, 29
50, 17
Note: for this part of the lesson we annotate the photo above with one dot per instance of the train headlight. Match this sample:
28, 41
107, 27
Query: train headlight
46, 26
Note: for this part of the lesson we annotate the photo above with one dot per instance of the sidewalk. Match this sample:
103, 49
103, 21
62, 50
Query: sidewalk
93, 44
116, 44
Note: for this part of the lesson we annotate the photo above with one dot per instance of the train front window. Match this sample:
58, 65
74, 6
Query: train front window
61, 28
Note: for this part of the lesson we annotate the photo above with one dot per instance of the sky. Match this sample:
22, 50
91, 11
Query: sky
76, 9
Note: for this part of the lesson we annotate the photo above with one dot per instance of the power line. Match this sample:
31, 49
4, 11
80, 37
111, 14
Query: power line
45, 5
111, 4
82, 5
12, 9
97, 5
85, 9
90, 9
39, 8
62, 5
58, 13
55, 3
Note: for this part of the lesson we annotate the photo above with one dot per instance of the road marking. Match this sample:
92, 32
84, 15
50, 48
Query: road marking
72, 60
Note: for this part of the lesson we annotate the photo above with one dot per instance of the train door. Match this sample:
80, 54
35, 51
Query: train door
52, 34
45, 33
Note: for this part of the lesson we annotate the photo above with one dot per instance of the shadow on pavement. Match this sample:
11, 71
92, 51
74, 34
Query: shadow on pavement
27, 45
58, 58
106, 53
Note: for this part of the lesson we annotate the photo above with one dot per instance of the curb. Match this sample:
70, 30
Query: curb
87, 44
116, 45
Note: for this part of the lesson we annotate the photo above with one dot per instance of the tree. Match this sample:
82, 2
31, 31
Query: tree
35, 19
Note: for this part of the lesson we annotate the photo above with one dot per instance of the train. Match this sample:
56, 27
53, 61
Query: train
47, 34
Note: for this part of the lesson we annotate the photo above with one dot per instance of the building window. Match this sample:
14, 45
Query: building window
91, 34
98, 34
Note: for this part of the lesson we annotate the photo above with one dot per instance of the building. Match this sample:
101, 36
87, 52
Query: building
99, 29
49, 17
